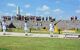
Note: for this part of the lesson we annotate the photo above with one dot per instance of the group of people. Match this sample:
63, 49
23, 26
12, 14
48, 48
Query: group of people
51, 28
4, 27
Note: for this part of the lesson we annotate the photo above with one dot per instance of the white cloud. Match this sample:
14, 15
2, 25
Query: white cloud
15, 11
43, 8
28, 14
21, 10
58, 11
27, 5
58, 1
78, 11
0, 12
11, 4
46, 10
6, 13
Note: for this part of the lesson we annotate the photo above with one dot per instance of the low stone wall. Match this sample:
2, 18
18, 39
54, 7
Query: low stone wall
66, 36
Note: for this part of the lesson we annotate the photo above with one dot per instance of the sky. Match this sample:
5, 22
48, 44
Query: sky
59, 9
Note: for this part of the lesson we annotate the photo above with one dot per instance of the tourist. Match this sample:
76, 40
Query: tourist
51, 28
26, 28
4, 27
37, 25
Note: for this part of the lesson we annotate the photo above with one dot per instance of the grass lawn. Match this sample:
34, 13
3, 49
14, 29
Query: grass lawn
24, 43
78, 31
42, 31
19, 30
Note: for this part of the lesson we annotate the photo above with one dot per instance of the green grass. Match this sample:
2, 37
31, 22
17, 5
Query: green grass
16, 30
24, 43
20, 30
78, 31
42, 31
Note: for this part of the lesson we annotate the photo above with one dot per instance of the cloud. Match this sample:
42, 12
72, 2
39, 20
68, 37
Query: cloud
21, 10
6, 13
58, 11
0, 11
28, 14
27, 5
58, 1
11, 5
44, 9
15, 11
47, 12
78, 11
